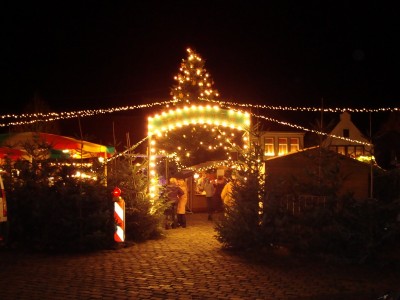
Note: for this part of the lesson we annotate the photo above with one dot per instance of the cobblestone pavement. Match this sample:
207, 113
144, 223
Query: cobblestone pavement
187, 264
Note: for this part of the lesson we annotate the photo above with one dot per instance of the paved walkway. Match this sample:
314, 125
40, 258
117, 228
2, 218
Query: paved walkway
186, 264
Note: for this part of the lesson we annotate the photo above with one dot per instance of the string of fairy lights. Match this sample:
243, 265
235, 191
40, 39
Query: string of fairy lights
302, 128
305, 109
27, 119
54, 116
129, 150
174, 156
310, 130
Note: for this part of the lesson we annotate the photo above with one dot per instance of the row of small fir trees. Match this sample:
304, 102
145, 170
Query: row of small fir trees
51, 210
342, 230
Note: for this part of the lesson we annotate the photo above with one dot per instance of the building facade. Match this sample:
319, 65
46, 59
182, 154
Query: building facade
278, 143
347, 139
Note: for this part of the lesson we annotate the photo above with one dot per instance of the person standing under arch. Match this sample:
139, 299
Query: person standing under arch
181, 206
219, 185
173, 193
227, 192
209, 189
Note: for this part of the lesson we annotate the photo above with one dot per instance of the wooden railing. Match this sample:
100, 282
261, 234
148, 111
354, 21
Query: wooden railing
297, 204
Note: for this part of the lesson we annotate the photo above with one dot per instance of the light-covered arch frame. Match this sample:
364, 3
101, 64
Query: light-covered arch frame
191, 115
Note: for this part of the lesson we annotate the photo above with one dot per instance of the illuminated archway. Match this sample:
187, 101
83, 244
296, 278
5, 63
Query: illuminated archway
191, 115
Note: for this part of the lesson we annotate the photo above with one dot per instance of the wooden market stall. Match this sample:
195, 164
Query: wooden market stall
194, 176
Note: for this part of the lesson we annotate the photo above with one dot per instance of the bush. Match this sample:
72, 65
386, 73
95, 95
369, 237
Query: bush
144, 217
358, 233
240, 226
62, 214
49, 210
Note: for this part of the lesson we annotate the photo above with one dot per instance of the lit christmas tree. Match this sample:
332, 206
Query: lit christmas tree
193, 144
193, 81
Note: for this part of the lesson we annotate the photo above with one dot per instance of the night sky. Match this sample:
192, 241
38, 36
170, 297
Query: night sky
101, 54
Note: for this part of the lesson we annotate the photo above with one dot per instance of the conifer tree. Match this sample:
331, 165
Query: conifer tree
198, 143
241, 226
193, 81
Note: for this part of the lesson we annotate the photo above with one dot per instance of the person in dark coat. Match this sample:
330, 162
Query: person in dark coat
173, 193
209, 188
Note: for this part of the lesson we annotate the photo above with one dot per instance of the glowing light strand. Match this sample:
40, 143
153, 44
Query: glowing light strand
85, 113
130, 149
257, 116
53, 116
310, 130
309, 109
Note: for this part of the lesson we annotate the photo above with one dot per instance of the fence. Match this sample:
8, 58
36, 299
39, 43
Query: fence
297, 204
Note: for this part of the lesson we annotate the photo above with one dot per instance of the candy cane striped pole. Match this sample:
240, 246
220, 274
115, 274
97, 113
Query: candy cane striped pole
119, 216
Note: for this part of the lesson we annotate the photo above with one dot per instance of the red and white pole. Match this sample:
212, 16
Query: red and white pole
119, 216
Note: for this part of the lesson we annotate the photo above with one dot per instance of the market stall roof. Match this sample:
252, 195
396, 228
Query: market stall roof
211, 164
12, 153
16, 145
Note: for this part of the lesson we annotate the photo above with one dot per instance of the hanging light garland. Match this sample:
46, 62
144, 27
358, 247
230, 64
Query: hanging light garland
310, 130
299, 108
53, 116
26, 119
166, 117
127, 151
197, 114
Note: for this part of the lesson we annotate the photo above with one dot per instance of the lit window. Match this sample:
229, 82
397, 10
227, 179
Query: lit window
282, 146
294, 144
269, 147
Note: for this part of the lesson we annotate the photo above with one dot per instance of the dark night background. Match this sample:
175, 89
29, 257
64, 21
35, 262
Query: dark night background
102, 54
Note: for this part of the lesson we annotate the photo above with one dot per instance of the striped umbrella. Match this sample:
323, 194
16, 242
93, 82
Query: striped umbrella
17, 145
